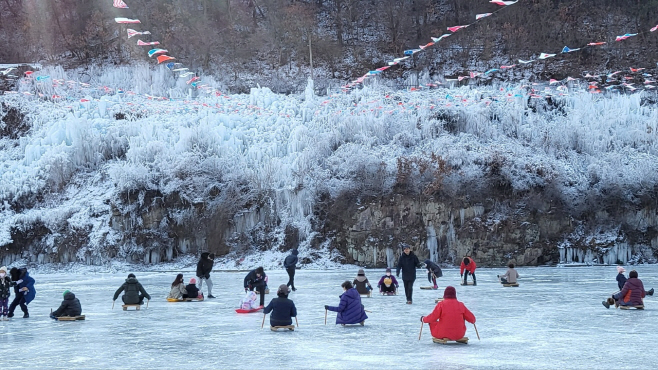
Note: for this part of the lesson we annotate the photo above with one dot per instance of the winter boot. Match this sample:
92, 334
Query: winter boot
10, 315
650, 292
605, 304
211, 296
474, 281
26, 315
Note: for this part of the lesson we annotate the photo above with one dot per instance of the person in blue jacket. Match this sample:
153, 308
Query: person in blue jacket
350, 310
24, 291
282, 308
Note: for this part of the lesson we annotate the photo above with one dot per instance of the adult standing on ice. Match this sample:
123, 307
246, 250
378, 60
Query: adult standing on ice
203, 270
408, 263
290, 264
256, 280
468, 265
350, 310
23, 290
447, 319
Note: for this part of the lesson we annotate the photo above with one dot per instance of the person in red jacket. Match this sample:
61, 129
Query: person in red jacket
468, 265
447, 319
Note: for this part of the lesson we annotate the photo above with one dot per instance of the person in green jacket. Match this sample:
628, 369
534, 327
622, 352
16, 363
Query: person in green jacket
134, 291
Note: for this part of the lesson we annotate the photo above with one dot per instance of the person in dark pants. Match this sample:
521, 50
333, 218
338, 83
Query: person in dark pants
134, 291
70, 306
256, 280
282, 308
408, 263
203, 270
290, 264
24, 291
468, 266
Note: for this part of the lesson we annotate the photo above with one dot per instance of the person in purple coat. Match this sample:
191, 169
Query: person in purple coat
631, 294
350, 310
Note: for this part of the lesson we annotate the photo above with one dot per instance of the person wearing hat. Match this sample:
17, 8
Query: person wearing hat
388, 284
621, 278
256, 280
408, 263
468, 265
448, 317
290, 264
631, 294
135, 292
24, 291
192, 290
5, 292
203, 270
361, 283
282, 308
70, 306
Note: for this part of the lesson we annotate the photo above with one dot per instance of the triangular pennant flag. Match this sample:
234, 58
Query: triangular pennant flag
152, 43
624, 37
411, 51
423, 47
525, 61
383, 68
491, 71
508, 67
437, 39
569, 79
153, 52
480, 16
567, 50
132, 33
545, 56
654, 29
596, 43
126, 20
552, 81
503, 3
457, 28
120, 4
171, 66
164, 58
474, 74
636, 69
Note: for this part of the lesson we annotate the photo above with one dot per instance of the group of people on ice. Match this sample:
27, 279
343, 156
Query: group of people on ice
22, 284
631, 291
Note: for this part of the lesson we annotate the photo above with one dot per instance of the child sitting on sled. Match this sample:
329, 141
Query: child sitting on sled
249, 302
388, 284
510, 276
361, 283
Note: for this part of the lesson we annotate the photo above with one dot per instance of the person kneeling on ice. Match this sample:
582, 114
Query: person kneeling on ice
447, 319
350, 310
249, 301
282, 308
177, 288
70, 306
510, 275
433, 272
631, 294
361, 283
256, 279
192, 290
388, 284
135, 292
468, 265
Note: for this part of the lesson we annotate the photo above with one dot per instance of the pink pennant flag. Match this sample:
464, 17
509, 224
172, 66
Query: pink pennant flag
126, 20
480, 16
383, 68
545, 56
120, 4
437, 39
474, 74
569, 79
503, 3
457, 28
423, 47
552, 81
596, 43
654, 29
461, 78
508, 67
142, 43
132, 33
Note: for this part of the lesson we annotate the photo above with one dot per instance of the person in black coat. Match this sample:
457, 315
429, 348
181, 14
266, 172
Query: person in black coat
5, 292
290, 264
282, 308
408, 263
256, 279
192, 290
203, 270
433, 272
70, 306
134, 291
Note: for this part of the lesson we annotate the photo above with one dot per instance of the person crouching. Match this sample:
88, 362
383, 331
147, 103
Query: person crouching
350, 310
282, 308
447, 319
70, 306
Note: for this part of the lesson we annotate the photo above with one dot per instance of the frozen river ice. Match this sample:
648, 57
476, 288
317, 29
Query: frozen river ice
553, 320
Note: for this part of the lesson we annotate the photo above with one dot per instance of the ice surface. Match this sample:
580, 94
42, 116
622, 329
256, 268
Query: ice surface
553, 320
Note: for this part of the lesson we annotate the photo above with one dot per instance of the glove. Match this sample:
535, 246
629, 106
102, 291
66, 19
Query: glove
19, 281
421, 318
326, 307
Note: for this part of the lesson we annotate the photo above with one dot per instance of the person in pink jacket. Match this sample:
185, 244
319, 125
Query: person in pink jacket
447, 319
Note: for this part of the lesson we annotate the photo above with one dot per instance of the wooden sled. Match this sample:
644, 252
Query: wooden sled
640, 307
511, 285
362, 323
446, 340
438, 300
185, 300
428, 288
240, 310
388, 293
136, 306
70, 318
289, 327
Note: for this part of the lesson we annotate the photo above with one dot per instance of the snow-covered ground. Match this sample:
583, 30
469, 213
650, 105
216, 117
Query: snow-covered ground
553, 320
